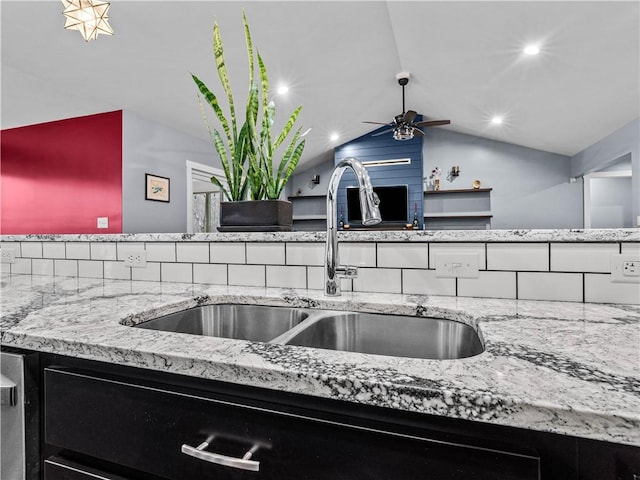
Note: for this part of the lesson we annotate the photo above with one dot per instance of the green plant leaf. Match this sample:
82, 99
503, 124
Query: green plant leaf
287, 127
221, 66
213, 101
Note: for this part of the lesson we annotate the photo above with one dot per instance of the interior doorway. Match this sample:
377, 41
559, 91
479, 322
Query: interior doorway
608, 200
203, 197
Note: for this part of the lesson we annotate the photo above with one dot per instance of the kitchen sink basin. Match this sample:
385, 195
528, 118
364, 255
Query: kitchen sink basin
402, 336
381, 334
243, 322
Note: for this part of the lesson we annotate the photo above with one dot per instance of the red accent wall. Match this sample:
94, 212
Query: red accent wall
59, 177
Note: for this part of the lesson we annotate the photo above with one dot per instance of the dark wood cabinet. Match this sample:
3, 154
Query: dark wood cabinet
133, 424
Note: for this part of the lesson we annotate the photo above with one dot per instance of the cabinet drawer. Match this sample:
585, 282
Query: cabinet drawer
154, 429
56, 468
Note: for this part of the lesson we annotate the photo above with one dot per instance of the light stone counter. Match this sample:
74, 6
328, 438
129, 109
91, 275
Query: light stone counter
568, 368
559, 235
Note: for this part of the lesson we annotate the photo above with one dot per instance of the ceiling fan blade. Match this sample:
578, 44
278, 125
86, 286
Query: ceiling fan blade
433, 123
410, 116
383, 132
418, 131
378, 123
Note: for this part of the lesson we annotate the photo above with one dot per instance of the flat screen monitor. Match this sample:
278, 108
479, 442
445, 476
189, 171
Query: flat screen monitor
393, 204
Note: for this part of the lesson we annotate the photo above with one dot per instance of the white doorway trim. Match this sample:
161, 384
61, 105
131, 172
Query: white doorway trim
586, 189
198, 172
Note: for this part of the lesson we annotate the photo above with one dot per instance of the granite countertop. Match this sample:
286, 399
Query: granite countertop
568, 368
365, 235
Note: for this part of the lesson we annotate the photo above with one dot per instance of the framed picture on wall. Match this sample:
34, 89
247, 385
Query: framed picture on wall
157, 188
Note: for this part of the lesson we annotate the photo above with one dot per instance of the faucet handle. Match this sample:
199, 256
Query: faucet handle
347, 271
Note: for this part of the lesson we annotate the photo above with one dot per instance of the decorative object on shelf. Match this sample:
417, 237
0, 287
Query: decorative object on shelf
435, 176
416, 223
476, 184
156, 188
247, 152
341, 221
455, 171
89, 17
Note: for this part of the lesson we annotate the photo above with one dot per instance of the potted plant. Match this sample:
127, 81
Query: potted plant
253, 185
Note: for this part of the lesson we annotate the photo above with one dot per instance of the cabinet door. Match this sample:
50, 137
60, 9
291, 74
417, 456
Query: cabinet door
153, 429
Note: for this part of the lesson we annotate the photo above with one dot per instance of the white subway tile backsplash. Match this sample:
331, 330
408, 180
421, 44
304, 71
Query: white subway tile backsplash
32, 249
359, 254
403, 255
227, 253
247, 275
150, 273
53, 250
518, 256
176, 272
424, 282
15, 246
210, 273
21, 265
265, 253
630, 247
161, 252
565, 287
42, 266
437, 248
124, 248
598, 288
305, 254
90, 269
383, 280
65, 268
116, 270
189, 252
78, 250
286, 277
582, 257
489, 284
103, 251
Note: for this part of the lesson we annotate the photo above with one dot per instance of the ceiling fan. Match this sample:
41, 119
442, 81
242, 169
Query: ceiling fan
403, 124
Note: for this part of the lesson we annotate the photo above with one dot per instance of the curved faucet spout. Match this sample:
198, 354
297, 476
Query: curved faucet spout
370, 216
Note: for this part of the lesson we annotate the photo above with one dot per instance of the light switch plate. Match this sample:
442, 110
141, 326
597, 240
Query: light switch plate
103, 222
458, 264
625, 268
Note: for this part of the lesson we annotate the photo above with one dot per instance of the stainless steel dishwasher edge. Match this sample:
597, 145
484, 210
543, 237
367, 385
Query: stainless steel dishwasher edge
19, 426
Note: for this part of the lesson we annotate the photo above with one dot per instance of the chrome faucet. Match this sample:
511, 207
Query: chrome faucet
369, 202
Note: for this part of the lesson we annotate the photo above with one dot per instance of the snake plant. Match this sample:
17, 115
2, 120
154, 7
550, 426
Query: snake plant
247, 153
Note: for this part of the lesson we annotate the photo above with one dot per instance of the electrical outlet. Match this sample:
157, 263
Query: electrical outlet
461, 265
8, 255
135, 259
625, 268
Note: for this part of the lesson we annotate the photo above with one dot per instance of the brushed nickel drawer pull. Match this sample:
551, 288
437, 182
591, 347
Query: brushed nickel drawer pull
244, 463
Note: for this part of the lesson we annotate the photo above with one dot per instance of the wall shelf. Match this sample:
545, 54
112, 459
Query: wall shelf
464, 190
459, 215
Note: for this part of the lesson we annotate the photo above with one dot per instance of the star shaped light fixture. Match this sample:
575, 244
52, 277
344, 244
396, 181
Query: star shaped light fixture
89, 17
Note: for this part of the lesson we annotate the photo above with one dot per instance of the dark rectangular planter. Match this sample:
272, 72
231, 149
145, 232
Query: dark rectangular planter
256, 216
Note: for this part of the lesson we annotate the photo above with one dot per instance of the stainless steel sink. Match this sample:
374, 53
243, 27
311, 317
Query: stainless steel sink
243, 322
402, 336
381, 334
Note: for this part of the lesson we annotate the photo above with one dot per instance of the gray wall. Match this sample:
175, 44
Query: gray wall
148, 147
624, 141
531, 188
611, 202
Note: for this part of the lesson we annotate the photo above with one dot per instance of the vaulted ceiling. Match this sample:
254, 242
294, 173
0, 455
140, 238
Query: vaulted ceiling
340, 60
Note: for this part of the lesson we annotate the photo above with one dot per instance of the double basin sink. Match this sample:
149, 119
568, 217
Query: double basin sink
381, 334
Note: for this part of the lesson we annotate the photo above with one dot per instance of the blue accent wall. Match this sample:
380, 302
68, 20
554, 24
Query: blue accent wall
384, 147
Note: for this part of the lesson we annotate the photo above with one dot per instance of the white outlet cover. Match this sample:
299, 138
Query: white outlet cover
7, 255
135, 259
617, 268
458, 264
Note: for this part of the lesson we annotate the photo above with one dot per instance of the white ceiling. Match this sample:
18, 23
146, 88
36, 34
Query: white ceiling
340, 60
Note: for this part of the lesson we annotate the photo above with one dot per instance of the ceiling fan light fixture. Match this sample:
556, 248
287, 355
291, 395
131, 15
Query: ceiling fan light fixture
403, 132
89, 17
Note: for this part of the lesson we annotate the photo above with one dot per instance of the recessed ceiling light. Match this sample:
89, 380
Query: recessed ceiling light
333, 137
532, 50
496, 120
283, 90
